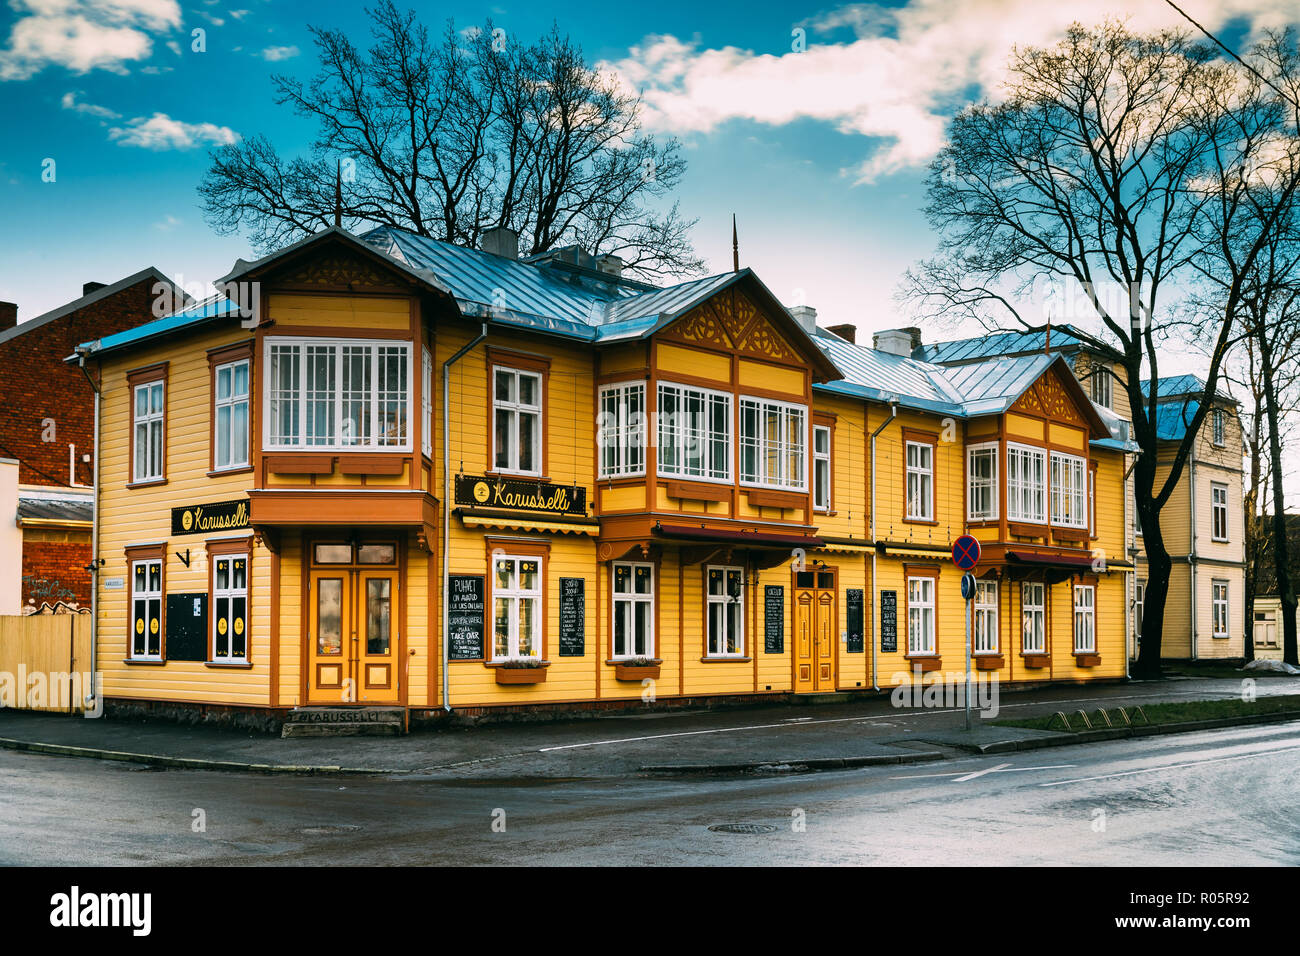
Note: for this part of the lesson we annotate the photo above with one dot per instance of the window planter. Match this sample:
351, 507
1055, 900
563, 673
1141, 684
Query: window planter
1037, 661
521, 673
636, 670
1087, 660
926, 664
988, 662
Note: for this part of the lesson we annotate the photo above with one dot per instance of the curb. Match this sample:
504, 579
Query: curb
181, 763
798, 766
1064, 739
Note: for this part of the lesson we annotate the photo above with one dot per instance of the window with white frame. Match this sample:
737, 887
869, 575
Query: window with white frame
920, 615
1137, 517
1219, 597
516, 607
982, 482
1092, 502
920, 481
338, 394
1218, 426
1069, 491
1219, 512
426, 402
230, 415
621, 430
147, 450
516, 421
984, 621
725, 597
773, 440
230, 607
1139, 606
1026, 484
1085, 619
634, 608
1033, 632
1101, 386
146, 610
694, 433
822, 467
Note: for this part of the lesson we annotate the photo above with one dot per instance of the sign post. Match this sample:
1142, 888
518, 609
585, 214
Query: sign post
966, 555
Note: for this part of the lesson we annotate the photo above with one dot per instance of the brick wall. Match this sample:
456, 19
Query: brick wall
55, 571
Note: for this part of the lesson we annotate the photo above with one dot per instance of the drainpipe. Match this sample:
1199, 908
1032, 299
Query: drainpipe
1191, 558
1130, 538
94, 543
875, 617
446, 505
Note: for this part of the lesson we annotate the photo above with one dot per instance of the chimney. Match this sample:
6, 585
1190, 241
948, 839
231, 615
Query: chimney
8, 315
805, 315
501, 241
848, 333
897, 341
90, 287
610, 265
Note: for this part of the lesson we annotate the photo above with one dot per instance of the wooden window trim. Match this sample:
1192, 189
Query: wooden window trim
653, 564
147, 552
933, 572
224, 355
827, 421
745, 653
519, 548
917, 437
498, 357
1227, 538
146, 375
223, 547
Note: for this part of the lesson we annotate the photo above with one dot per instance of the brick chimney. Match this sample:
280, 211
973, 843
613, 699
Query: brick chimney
848, 333
89, 287
501, 241
8, 315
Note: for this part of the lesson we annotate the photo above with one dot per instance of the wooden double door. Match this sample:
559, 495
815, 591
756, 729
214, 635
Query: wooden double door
353, 622
815, 620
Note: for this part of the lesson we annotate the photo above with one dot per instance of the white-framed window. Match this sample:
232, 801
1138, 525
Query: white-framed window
982, 482
230, 607
1139, 605
426, 402
516, 607
634, 609
1069, 491
1219, 512
822, 467
146, 610
920, 615
725, 597
148, 451
516, 421
621, 430
1092, 503
1219, 598
1101, 387
694, 433
773, 440
1026, 484
920, 481
338, 394
984, 618
1218, 427
1085, 619
1137, 518
230, 415
1033, 631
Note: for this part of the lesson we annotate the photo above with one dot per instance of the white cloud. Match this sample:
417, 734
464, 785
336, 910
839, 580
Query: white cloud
897, 80
69, 102
83, 35
273, 54
167, 224
239, 14
160, 132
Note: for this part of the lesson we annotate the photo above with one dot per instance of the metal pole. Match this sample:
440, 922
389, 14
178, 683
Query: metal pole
968, 602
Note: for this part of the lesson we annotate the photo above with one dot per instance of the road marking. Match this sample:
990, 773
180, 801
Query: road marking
980, 773
1172, 766
1001, 768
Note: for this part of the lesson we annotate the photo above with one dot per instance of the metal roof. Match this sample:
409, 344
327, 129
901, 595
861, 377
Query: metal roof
992, 386
49, 507
206, 311
996, 344
883, 377
1176, 385
1173, 418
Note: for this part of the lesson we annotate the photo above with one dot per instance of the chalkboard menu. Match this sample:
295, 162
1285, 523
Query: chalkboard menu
573, 617
465, 618
888, 622
187, 627
854, 605
774, 619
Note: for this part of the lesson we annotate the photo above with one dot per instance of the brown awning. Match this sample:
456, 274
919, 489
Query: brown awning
1070, 561
758, 538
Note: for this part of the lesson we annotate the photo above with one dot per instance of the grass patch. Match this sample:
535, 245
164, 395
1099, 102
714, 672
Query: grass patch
1170, 713
1209, 671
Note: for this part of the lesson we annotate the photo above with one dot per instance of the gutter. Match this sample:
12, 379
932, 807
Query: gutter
1191, 557
875, 619
91, 694
446, 504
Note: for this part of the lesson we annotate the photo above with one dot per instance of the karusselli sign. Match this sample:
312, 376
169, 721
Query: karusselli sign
514, 494
214, 516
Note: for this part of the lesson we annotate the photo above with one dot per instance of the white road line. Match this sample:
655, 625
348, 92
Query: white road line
980, 773
1002, 768
1172, 766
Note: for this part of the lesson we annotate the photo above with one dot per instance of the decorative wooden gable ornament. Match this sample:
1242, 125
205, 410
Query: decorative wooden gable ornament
1048, 398
731, 322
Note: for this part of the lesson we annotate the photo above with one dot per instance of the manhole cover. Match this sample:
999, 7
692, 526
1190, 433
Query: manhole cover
742, 828
327, 829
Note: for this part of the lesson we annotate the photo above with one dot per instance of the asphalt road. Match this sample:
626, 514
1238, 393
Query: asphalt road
1224, 797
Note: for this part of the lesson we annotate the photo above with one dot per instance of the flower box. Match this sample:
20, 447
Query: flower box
1087, 660
925, 664
1037, 661
636, 671
988, 662
534, 674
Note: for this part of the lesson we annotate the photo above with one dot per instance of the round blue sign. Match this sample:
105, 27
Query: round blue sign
968, 586
966, 552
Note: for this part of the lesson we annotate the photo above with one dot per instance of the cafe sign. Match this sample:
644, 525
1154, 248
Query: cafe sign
214, 516
520, 494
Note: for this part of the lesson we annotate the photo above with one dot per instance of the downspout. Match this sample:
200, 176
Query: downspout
875, 617
94, 543
1130, 536
446, 506
1191, 558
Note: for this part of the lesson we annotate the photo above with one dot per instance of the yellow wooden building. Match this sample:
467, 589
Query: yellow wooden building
391, 471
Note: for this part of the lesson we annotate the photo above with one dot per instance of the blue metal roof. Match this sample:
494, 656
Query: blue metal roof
1176, 385
883, 376
996, 344
205, 311
1173, 418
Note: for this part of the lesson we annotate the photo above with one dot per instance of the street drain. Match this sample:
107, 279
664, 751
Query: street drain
327, 829
750, 828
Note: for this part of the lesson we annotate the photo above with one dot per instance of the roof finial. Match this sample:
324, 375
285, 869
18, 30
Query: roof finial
338, 193
735, 246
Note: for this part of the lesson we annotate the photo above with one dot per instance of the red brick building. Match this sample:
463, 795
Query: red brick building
47, 435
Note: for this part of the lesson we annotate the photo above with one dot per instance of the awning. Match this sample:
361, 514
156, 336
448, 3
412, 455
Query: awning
1070, 561
759, 538
513, 521
847, 547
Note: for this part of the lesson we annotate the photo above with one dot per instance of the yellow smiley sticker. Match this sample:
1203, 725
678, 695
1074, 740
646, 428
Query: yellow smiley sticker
239, 625
221, 626
481, 491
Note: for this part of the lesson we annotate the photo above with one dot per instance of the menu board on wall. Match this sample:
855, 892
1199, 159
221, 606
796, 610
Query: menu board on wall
853, 603
465, 618
888, 622
774, 619
573, 617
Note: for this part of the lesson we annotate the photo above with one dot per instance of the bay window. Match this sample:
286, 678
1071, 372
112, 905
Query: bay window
1085, 619
1026, 484
1069, 491
982, 482
920, 481
920, 616
516, 421
1033, 628
633, 605
621, 430
773, 436
725, 600
984, 618
516, 607
694, 433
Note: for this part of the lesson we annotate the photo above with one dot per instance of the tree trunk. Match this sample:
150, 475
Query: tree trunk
1281, 557
1253, 528
1159, 566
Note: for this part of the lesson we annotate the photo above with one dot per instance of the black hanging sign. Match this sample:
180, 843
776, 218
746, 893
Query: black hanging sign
214, 516
465, 619
520, 494
573, 617
888, 622
774, 619
854, 645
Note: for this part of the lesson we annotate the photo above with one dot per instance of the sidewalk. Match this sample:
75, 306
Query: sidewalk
861, 731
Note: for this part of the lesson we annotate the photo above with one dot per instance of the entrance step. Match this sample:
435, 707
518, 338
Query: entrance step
814, 698
343, 722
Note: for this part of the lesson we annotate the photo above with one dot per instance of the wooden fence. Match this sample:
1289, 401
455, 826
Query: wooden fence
45, 662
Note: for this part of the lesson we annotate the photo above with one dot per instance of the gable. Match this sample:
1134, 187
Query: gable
339, 268
1056, 396
730, 321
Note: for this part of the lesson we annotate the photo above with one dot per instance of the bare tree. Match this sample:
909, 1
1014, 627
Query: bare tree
450, 134
1116, 166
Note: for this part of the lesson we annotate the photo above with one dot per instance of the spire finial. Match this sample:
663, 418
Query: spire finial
735, 246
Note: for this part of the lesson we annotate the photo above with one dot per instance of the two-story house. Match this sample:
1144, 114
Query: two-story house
397, 472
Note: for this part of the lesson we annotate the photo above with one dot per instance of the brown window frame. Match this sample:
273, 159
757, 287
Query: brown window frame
912, 436
147, 375
226, 355
933, 572
221, 548
515, 548
146, 552
827, 421
519, 362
